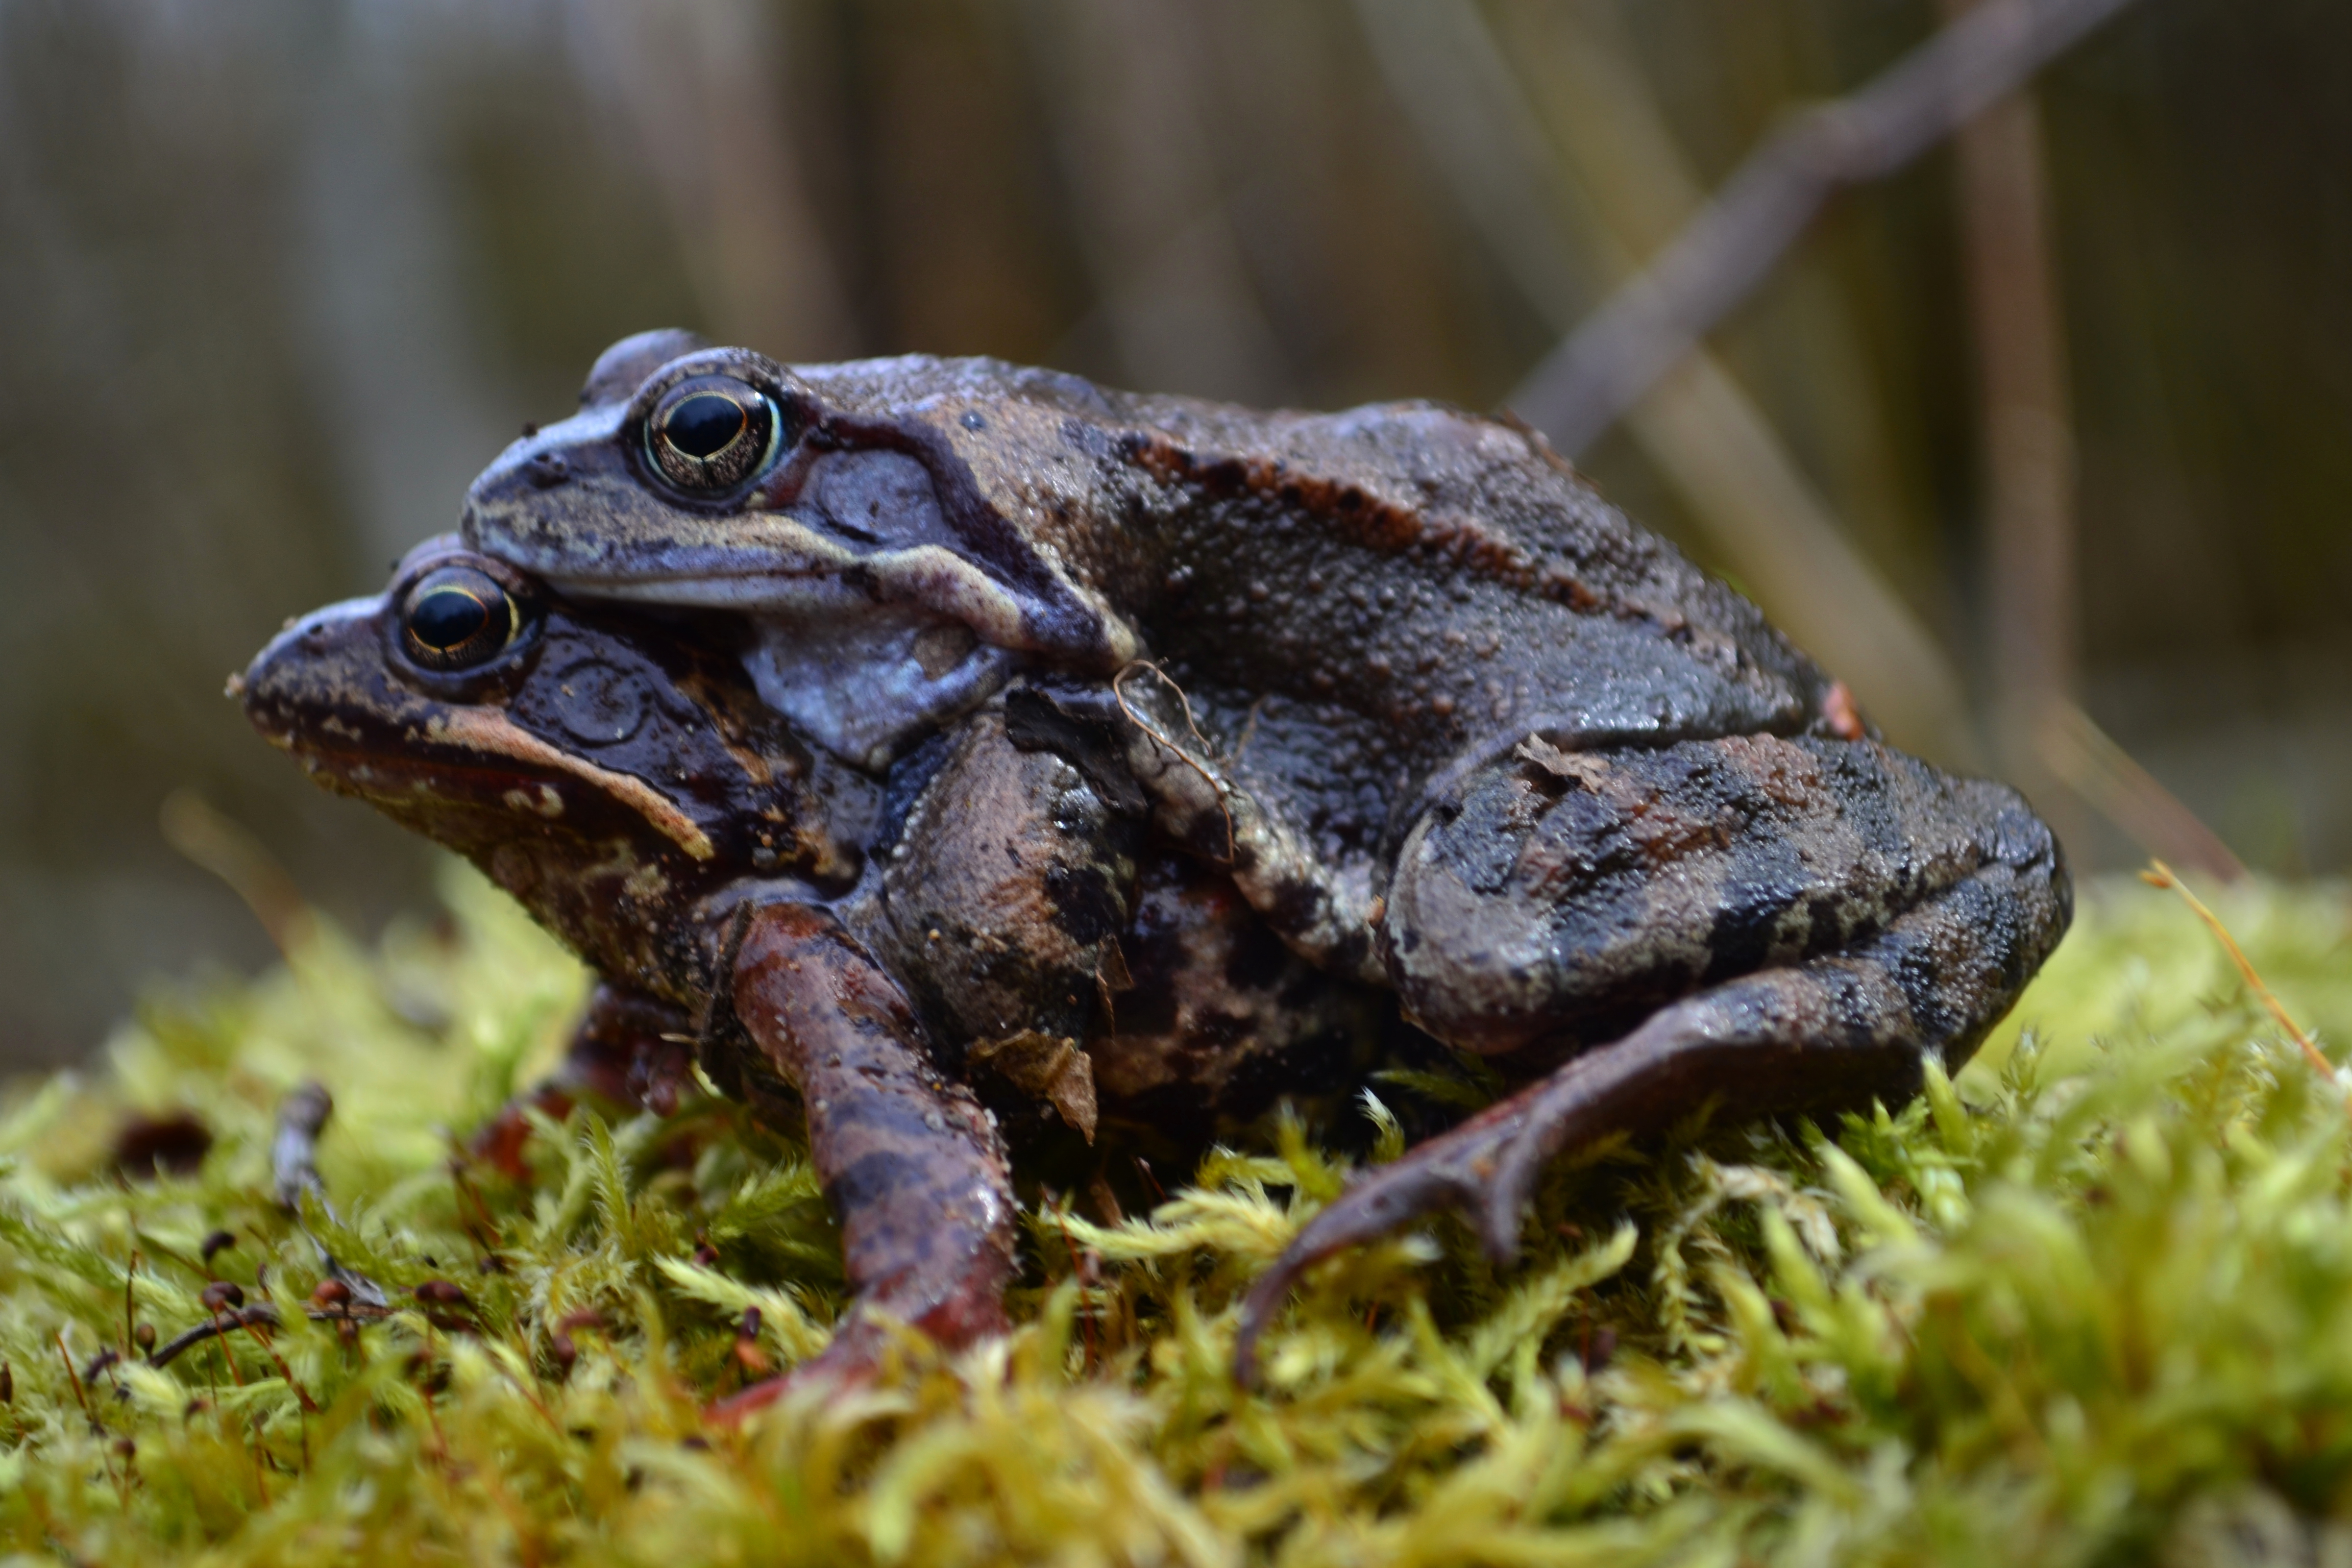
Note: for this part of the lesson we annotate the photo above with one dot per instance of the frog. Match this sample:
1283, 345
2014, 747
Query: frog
1453, 726
919, 972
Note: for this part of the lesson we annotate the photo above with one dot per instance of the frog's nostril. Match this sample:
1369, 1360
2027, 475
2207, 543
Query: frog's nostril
547, 470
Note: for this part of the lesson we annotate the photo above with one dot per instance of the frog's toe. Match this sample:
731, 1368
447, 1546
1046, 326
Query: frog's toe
849, 1361
1456, 1170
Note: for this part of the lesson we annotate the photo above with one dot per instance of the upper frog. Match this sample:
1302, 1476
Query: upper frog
911, 529
1346, 615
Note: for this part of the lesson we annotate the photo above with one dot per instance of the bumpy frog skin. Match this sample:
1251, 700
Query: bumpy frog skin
1455, 730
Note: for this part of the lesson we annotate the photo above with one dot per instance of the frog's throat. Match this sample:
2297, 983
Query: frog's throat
483, 730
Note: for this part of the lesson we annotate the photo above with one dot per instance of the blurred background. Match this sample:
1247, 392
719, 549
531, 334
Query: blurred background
2044, 443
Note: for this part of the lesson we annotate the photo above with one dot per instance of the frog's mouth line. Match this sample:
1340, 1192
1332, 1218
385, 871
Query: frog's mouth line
477, 730
488, 731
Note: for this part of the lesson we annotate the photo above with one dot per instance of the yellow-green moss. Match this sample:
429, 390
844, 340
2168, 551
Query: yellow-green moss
2094, 1304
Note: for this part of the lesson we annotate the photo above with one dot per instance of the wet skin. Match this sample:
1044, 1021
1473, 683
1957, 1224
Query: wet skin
1394, 680
1453, 726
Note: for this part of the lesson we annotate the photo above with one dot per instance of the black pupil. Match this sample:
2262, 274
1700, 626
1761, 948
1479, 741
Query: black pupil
704, 423
448, 617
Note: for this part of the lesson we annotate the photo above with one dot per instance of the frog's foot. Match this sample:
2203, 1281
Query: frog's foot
627, 1055
862, 1342
1830, 1033
911, 1163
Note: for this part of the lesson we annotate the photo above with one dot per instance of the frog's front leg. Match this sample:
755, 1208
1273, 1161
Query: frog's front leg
911, 1164
1794, 922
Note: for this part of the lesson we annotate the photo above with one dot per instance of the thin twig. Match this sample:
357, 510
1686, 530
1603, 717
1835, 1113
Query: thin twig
1607, 363
2083, 757
1216, 785
2161, 876
130, 1306
1763, 516
260, 1314
2025, 433
80, 1397
302, 1116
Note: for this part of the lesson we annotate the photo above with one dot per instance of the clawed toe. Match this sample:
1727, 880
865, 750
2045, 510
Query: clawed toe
1457, 1171
1485, 1170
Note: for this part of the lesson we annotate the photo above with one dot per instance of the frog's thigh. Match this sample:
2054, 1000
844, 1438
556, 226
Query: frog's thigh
1566, 897
1827, 1032
911, 1164
1009, 884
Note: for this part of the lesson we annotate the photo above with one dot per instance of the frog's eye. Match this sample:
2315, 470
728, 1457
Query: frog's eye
457, 618
711, 433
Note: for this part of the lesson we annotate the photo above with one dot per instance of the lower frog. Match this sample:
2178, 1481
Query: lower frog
992, 914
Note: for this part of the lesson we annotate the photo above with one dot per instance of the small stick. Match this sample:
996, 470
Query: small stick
294, 1151
2162, 877
130, 1313
260, 1330
302, 1116
80, 1397
1619, 351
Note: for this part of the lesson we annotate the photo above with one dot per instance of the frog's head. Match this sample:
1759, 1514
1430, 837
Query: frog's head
619, 779
717, 477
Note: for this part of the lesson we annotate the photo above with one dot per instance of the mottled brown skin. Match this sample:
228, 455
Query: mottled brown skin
756, 906
1451, 724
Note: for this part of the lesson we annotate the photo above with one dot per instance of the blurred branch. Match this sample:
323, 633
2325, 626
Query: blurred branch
2026, 428
701, 85
1124, 82
1774, 529
1709, 440
1586, 383
2091, 765
2045, 739
192, 826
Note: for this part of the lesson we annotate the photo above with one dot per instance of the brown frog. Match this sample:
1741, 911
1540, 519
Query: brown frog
832, 944
1452, 725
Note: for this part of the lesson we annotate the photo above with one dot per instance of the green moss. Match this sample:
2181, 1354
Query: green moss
2093, 1303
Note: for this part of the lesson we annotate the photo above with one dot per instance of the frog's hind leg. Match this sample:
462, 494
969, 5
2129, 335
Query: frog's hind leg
1831, 1031
910, 1162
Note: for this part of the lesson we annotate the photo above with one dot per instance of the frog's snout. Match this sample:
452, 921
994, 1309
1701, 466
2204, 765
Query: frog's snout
303, 668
